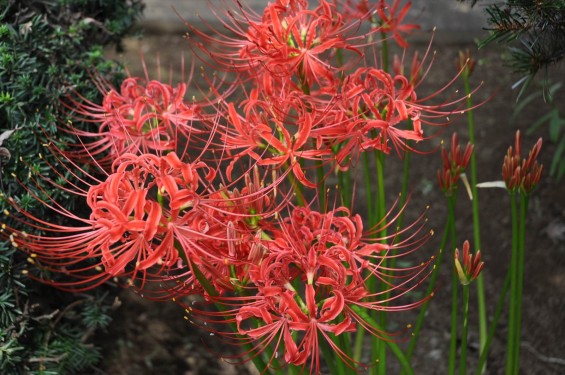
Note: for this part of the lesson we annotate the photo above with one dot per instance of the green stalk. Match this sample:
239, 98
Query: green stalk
510, 361
381, 204
463, 356
257, 360
378, 348
433, 279
454, 303
297, 188
404, 188
291, 370
401, 201
344, 181
372, 217
520, 278
388, 341
481, 301
369, 189
344, 342
358, 348
328, 354
321, 177
453, 331
494, 324
341, 342
384, 51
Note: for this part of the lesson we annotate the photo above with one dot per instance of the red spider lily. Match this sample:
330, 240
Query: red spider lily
357, 9
373, 104
307, 284
415, 68
373, 109
454, 164
522, 174
221, 236
263, 134
128, 232
391, 20
138, 119
289, 39
468, 267
386, 18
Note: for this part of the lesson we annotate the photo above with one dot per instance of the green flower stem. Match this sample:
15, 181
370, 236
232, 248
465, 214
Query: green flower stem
453, 331
358, 348
378, 348
343, 341
344, 181
481, 301
257, 360
404, 188
510, 350
381, 204
454, 296
328, 355
433, 279
296, 186
384, 51
321, 177
388, 341
520, 278
360, 334
401, 202
369, 189
464, 330
494, 324
290, 370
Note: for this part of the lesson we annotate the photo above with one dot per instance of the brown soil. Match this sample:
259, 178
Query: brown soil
152, 338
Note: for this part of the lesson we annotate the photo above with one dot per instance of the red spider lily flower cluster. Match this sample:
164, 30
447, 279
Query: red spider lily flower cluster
288, 38
196, 198
454, 164
311, 280
469, 266
139, 118
129, 231
303, 63
382, 16
521, 174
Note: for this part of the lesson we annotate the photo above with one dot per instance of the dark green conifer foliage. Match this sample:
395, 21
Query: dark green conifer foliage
533, 30
47, 49
534, 33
